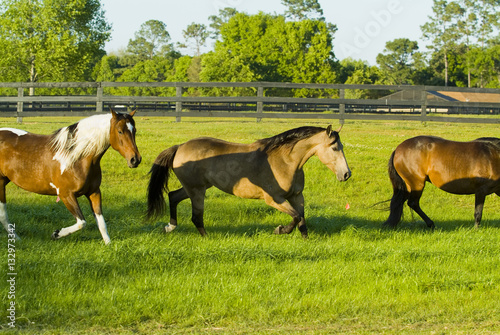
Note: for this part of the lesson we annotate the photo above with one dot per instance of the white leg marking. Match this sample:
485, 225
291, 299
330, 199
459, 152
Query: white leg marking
170, 228
5, 219
102, 228
70, 230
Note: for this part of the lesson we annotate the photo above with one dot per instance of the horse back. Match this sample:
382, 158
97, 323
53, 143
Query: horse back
456, 167
234, 168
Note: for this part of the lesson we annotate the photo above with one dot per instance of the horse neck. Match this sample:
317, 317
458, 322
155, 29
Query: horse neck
88, 149
302, 151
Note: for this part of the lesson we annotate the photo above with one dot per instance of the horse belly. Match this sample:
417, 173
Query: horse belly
466, 176
244, 188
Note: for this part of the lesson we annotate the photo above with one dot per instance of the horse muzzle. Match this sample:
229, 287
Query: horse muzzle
345, 176
134, 161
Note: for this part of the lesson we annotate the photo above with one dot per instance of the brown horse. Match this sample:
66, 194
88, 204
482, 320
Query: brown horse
269, 169
455, 167
66, 164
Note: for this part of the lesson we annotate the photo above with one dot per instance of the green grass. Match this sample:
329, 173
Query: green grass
350, 276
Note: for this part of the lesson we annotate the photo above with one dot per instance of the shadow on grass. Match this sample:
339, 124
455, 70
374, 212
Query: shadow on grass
38, 221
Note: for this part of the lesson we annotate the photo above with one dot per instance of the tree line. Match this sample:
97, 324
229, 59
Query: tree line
63, 40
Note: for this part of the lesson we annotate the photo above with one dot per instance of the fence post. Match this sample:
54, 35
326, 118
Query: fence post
178, 103
341, 107
423, 111
260, 103
20, 104
99, 99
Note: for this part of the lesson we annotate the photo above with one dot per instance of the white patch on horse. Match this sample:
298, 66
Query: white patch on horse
130, 127
90, 137
18, 132
54, 186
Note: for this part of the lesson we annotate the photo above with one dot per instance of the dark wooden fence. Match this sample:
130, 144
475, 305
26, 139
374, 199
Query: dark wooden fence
259, 101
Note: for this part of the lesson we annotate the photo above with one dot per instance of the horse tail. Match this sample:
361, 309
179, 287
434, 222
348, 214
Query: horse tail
158, 183
399, 196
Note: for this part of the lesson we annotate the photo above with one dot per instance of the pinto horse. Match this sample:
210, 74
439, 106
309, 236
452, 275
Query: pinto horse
66, 164
269, 169
455, 167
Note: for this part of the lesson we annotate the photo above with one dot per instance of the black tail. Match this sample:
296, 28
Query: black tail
399, 196
158, 183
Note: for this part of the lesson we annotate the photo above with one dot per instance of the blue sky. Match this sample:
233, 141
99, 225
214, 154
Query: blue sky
364, 26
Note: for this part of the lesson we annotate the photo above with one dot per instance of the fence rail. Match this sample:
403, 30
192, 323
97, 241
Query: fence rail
260, 105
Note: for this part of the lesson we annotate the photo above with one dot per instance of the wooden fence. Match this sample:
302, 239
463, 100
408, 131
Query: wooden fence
261, 104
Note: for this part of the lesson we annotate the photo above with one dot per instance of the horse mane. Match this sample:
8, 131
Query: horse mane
490, 140
288, 138
89, 136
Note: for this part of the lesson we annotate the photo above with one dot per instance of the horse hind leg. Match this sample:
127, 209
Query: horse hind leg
414, 203
398, 200
478, 209
174, 198
4, 218
10, 228
197, 197
399, 196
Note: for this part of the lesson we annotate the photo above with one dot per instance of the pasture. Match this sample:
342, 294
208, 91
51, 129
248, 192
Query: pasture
350, 276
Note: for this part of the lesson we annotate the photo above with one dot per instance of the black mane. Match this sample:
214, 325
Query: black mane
491, 140
289, 137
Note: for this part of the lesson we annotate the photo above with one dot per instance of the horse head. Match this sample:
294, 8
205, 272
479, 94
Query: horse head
122, 137
331, 153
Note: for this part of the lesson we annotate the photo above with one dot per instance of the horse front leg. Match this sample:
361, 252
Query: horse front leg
96, 204
288, 208
72, 205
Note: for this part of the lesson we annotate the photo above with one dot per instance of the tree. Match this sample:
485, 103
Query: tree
303, 9
487, 65
442, 29
51, 40
359, 72
198, 34
488, 15
397, 63
476, 25
218, 21
265, 47
151, 40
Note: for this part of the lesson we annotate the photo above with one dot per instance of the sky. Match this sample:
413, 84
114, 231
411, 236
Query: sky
364, 26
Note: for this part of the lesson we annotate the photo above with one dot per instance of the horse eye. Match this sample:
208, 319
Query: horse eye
120, 132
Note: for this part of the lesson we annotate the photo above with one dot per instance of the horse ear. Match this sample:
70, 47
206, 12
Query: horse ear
113, 112
338, 131
329, 130
132, 113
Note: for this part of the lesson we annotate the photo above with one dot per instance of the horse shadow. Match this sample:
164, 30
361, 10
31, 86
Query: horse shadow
38, 221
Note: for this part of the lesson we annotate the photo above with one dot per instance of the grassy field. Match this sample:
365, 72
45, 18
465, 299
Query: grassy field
350, 276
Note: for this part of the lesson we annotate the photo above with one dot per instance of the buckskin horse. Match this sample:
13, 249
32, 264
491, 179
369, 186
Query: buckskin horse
455, 167
269, 169
66, 163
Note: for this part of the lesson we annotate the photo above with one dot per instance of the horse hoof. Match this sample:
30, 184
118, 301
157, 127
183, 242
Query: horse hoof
55, 235
278, 230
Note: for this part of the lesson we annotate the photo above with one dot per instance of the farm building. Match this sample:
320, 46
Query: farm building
449, 96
